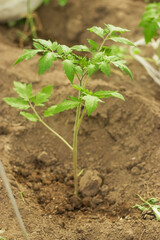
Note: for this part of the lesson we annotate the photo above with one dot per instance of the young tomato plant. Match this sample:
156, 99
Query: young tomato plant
150, 22
149, 205
95, 58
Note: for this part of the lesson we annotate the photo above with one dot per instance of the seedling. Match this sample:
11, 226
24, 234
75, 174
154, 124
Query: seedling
91, 59
150, 23
150, 204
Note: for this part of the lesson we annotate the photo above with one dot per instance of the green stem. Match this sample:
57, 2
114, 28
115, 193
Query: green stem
81, 118
31, 21
49, 128
142, 199
75, 136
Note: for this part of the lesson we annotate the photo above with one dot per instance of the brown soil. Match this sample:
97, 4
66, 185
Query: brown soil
120, 140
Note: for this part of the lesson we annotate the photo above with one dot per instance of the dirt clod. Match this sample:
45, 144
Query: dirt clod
90, 183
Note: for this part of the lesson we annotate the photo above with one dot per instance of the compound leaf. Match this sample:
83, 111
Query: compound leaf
17, 103
29, 116
45, 62
69, 69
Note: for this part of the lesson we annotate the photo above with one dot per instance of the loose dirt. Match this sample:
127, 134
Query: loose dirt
120, 141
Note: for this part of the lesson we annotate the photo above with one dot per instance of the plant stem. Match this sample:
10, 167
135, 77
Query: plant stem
76, 127
81, 118
49, 128
31, 21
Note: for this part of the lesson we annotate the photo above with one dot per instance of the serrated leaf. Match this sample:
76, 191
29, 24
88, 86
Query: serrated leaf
28, 53
47, 44
43, 96
97, 30
29, 116
112, 28
91, 69
38, 46
107, 94
91, 103
93, 44
69, 69
123, 67
121, 40
23, 90
45, 62
80, 48
17, 103
65, 105
63, 49
105, 68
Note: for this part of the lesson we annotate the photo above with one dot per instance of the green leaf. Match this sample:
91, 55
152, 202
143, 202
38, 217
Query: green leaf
30, 117
97, 30
80, 48
152, 200
105, 68
43, 96
107, 94
45, 62
23, 90
69, 69
121, 40
47, 44
82, 89
142, 208
63, 49
156, 211
29, 53
121, 64
79, 70
17, 103
91, 103
91, 69
112, 28
54, 46
65, 105
38, 46
93, 44
150, 31
62, 2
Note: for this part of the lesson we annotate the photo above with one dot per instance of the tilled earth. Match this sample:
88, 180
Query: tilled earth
120, 142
